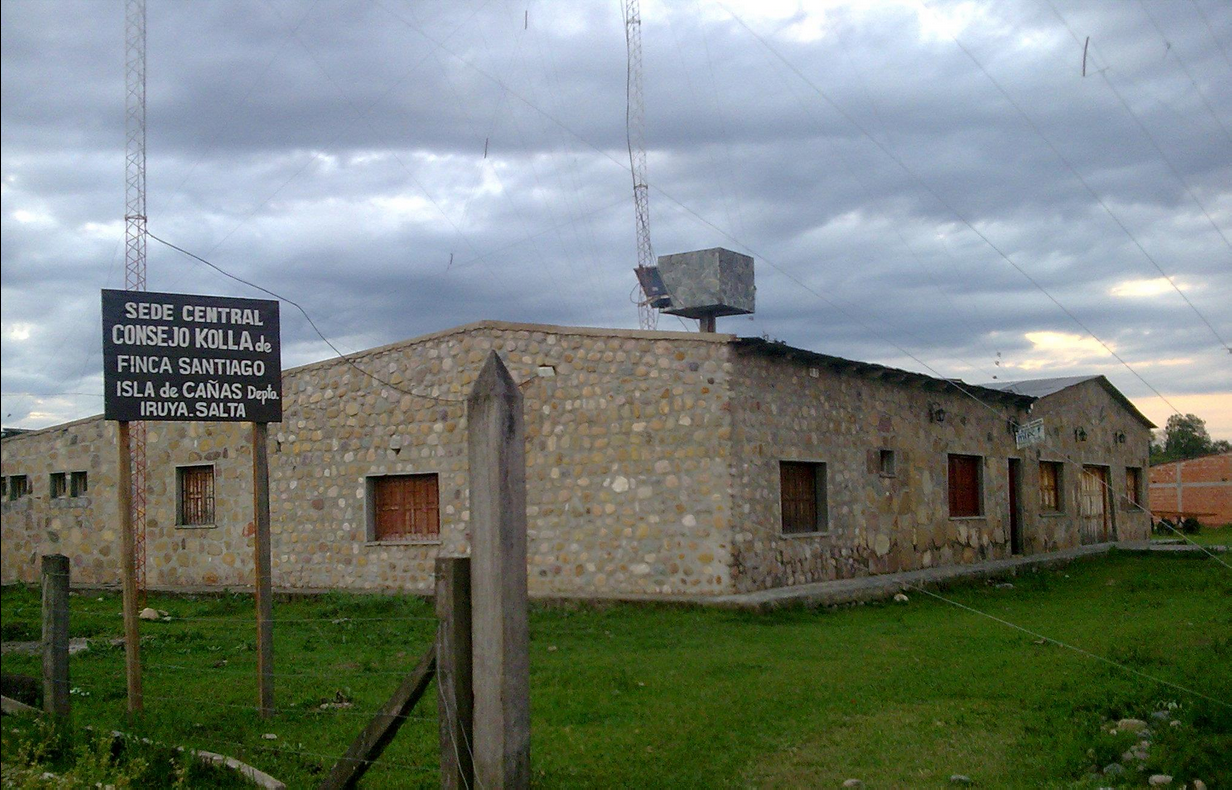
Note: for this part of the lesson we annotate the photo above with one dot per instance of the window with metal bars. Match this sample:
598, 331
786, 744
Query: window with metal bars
78, 484
404, 508
966, 500
802, 487
58, 485
194, 496
1050, 486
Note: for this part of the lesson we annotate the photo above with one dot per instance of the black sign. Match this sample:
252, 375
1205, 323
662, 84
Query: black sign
184, 357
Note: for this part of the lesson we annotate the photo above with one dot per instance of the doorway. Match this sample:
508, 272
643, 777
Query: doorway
1093, 513
1015, 483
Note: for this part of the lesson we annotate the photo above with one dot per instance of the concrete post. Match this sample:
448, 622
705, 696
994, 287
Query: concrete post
55, 635
496, 454
455, 698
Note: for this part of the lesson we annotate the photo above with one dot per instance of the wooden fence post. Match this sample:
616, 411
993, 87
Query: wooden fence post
55, 635
128, 571
455, 703
496, 455
262, 571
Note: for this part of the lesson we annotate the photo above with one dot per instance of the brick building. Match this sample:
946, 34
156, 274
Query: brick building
660, 464
1199, 485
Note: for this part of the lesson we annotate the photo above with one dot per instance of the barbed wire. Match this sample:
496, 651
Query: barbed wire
251, 671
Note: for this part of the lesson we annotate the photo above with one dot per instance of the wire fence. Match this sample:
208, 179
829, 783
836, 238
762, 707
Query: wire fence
200, 676
333, 674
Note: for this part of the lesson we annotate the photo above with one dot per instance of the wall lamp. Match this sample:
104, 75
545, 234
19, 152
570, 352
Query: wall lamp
1080, 434
1120, 437
935, 412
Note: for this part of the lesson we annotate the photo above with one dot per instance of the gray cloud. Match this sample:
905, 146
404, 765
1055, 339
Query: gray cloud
332, 153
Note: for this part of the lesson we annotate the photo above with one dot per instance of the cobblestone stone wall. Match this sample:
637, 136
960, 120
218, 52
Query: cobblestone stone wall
653, 469
86, 528
626, 459
627, 443
1086, 425
793, 411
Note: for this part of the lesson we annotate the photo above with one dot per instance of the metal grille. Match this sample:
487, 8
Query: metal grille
407, 507
59, 485
803, 488
964, 478
79, 484
196, 495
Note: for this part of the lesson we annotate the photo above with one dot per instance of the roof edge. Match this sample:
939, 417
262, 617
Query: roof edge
60, 426
514, 326
873, 370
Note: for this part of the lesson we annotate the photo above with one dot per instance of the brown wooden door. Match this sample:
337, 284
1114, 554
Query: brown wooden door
1093, 505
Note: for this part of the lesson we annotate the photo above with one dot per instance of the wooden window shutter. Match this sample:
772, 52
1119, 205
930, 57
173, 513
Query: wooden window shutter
1050, 486
964, 486
802, 487
1133, 483
406, 507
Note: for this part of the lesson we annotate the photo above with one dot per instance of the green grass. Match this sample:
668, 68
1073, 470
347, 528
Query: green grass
1207, 536
899, 695
40, 753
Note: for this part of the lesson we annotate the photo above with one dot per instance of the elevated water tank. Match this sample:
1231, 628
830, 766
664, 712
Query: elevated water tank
705, 284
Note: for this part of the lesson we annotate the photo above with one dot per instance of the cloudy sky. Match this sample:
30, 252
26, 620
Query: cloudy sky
934, 186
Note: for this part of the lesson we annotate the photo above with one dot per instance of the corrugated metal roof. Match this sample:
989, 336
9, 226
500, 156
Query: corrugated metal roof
1038, 388
1042, 388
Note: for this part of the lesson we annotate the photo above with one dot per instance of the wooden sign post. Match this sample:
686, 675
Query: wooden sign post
261, 568
128, 571
180, 357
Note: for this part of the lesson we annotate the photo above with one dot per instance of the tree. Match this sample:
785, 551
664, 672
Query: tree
1185, 436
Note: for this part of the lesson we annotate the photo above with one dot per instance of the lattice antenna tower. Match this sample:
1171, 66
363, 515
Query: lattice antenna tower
635, 134
135, 237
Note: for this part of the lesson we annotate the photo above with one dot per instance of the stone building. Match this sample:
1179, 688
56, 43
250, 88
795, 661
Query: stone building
660, 464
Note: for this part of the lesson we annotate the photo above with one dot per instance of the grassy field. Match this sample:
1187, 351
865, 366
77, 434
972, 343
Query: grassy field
1208, 536
898, 695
